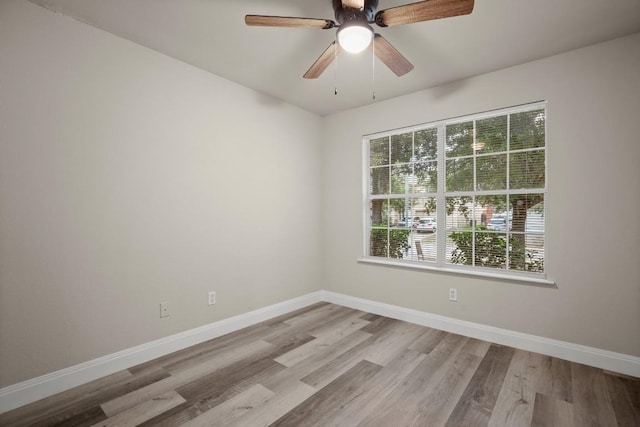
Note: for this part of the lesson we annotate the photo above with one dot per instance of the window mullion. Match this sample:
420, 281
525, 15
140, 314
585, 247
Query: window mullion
388, 198
441, 215
508, 230
473, 198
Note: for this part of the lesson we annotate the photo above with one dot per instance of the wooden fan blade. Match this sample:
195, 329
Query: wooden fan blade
423, 11
354, 4
390, 56
288, 21
322, 62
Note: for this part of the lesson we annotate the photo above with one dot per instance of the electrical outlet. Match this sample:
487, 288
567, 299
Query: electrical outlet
164, 309
212, 297
453, 294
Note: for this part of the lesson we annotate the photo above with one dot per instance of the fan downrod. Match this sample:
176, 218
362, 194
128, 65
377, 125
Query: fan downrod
346, 14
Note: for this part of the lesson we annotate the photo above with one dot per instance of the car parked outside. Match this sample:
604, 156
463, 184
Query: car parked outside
426, 225
497, 224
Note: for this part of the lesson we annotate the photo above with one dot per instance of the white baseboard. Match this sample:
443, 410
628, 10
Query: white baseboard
608, 360
29, 391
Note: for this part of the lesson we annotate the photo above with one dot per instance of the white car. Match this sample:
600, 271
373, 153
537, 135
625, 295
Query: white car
497, 224
426, 225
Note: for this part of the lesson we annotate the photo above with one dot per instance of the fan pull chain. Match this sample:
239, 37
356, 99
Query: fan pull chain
373, 68
335, 60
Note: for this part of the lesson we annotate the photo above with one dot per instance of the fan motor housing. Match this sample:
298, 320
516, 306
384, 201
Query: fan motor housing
344, 15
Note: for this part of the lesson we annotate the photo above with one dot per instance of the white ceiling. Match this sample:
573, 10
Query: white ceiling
211, 35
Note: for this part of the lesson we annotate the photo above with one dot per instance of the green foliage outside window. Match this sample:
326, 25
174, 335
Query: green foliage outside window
490, 251
396, 240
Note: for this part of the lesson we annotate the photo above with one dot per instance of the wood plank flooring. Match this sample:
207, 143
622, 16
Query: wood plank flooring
327, 365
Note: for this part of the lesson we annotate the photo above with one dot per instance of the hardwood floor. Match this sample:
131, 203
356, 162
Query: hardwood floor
327, 365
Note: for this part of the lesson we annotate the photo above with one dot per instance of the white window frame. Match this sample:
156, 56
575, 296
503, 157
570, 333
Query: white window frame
440, 264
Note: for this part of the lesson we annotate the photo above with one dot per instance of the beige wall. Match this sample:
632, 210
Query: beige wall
128, 178
593, 203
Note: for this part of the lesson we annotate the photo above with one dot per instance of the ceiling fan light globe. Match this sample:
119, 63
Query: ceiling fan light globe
355, 38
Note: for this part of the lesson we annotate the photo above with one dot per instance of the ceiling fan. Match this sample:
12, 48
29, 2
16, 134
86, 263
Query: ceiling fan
355, 34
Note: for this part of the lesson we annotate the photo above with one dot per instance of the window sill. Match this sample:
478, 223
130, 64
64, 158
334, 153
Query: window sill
516, 278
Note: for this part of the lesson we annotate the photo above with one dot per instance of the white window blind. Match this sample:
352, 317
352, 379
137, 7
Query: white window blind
465, 193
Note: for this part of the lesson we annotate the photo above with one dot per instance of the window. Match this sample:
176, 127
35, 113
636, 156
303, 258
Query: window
465, 194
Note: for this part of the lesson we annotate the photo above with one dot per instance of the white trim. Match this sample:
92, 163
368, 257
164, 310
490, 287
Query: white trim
29, 391
604, 359
521, 108
511, 276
